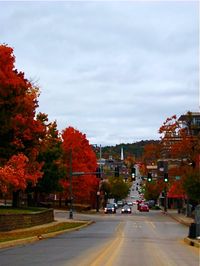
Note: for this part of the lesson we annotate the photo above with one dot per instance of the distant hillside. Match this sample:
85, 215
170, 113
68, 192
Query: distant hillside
131, 149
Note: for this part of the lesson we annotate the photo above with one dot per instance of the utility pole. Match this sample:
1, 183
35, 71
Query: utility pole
70, 185
165, 199
100, 157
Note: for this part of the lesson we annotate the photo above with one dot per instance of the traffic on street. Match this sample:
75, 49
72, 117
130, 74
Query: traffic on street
113, 239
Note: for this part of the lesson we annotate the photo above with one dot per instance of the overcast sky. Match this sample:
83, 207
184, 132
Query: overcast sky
113, 70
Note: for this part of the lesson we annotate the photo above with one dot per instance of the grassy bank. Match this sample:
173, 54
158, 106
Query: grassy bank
10, 210
30, 232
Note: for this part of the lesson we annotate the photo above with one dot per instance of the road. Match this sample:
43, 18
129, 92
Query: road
150, 239
146, 239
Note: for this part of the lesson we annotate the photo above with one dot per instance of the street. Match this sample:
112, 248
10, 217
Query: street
151, 239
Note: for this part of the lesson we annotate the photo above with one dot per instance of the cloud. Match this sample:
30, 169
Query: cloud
113, 70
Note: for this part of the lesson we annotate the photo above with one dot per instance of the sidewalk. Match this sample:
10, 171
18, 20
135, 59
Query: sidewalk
183, 219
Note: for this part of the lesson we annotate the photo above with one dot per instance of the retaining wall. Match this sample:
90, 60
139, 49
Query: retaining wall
10, 222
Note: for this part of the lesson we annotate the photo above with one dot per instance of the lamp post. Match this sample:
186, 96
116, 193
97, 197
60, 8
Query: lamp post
71, 174
97, 206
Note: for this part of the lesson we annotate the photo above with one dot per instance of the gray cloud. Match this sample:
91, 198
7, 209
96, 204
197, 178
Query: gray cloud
113, 70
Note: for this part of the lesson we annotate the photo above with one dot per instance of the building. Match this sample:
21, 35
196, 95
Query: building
191, 121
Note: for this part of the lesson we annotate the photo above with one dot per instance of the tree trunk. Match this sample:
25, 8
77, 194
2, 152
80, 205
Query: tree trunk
15, 201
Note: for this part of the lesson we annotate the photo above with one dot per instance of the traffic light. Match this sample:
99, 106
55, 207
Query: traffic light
133, 173
133, 170
98, 172
149, 178
166, 179
117, 171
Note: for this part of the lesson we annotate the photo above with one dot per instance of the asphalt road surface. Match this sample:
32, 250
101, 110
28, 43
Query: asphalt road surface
146, 239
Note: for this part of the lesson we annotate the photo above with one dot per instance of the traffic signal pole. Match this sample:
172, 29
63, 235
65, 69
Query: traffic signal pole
165, 198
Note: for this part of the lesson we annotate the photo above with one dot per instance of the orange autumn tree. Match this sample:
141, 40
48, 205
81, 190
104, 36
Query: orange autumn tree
83, 159
150, 156
179, 143
15, 173
20, 132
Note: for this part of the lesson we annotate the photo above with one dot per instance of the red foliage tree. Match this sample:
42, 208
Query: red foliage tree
17, 172
20, 132
84, 160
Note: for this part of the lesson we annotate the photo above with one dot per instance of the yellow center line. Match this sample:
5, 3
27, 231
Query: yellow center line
111, 249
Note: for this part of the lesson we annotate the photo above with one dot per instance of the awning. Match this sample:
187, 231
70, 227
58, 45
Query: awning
176, 191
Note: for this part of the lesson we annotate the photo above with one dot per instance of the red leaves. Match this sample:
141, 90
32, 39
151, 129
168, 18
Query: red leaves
9, 77
16, 173
20, 132
83, 160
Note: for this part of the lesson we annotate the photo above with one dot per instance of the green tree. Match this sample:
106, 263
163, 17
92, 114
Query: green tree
118, 188
51, 155
191, 183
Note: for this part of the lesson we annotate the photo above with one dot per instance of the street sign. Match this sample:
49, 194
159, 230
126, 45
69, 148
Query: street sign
78, 173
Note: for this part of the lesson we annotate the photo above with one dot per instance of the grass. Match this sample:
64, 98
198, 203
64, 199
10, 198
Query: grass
11, 210
30, 232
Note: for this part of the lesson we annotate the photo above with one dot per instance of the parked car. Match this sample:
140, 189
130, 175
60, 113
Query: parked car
126, 209
120, 203
143, 208
110, 208
150, 203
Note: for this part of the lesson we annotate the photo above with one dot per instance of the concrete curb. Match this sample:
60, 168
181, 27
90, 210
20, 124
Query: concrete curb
192, 242
179, 219
27, 240
187, 240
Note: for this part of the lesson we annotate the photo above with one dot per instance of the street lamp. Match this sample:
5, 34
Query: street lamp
98, 195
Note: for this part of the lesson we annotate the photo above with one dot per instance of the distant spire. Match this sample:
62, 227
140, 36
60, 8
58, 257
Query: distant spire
122, 154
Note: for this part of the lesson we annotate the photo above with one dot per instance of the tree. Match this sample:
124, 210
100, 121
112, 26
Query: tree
153, 189
151, 153
77, 149
118, 188
191, 184
179, 143
51, 154
20, 132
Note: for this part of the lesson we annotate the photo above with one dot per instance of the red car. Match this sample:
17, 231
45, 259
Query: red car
143, 208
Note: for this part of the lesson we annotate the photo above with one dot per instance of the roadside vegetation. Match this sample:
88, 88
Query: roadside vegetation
10, 210
38, 232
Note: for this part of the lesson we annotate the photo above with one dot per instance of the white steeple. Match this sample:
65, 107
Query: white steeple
122, 154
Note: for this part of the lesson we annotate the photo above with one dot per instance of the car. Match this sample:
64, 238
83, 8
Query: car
143, 208
120, 203
126, 209
150, 203
130, 203
115, 204
110, 208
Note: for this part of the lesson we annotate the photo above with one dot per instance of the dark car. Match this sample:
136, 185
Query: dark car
126, 209
110, 208
120, 203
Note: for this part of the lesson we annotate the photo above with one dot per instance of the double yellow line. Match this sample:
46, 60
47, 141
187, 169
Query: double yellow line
108, 254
